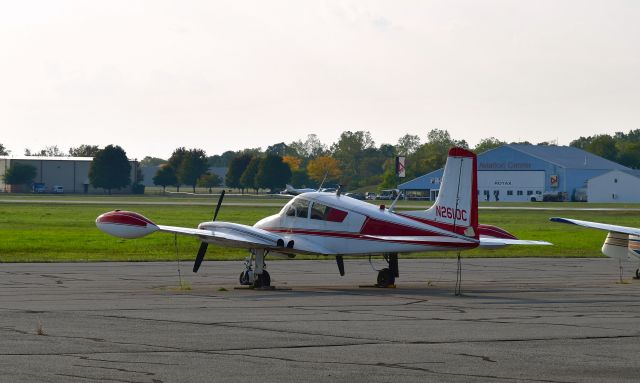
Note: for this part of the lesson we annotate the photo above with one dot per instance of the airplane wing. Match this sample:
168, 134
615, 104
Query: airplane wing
230, 235
127, 224
493, 243
598, 225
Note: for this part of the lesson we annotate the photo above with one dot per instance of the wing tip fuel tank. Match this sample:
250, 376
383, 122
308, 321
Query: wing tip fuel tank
125, 224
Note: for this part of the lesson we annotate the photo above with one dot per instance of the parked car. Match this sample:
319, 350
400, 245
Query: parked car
57, 189
370, 195
389, 194
359, 196
39, 187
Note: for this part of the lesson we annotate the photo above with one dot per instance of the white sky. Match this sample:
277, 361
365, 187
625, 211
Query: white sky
226, 75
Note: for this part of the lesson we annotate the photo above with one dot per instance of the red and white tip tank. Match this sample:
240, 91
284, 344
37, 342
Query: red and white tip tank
125, 224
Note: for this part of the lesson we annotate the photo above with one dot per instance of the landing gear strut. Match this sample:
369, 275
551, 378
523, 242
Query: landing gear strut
387, 276
254, 273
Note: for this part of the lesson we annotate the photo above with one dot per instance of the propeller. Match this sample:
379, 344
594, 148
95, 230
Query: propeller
203, 245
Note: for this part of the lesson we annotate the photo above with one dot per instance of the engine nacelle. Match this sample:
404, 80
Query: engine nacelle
616, 245
125, 224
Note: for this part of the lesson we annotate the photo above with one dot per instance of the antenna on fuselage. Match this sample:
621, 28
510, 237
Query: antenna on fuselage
323, 179
393, 204
339, 191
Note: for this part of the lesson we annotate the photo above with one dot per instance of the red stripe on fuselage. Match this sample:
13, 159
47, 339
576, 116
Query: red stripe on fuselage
373, 226
440, 225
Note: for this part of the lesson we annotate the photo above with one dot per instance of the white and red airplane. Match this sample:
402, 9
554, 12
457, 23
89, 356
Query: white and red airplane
621, 241
332, 224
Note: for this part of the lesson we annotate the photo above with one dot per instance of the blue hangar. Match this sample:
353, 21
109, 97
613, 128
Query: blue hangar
516, 172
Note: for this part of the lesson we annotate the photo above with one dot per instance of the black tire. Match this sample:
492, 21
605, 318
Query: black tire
244, 279
264, 280
637, 273
385, 278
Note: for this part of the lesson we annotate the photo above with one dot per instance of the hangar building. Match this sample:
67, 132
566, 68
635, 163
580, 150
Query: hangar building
621, 186
519, 172
72, 173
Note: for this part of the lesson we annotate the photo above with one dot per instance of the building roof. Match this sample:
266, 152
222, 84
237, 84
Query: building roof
567, 156
423, 182
563, 156
39, 158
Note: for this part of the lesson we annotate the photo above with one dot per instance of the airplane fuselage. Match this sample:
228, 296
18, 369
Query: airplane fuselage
355, 227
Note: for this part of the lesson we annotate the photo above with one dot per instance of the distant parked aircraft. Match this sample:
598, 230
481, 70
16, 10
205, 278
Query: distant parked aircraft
293, 191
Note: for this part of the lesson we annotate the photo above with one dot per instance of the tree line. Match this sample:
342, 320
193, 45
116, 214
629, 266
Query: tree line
353, 160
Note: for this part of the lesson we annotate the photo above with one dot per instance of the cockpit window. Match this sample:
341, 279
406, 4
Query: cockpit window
299, 208
327, 213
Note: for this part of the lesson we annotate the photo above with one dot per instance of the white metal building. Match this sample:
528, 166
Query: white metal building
615, 186
72, 173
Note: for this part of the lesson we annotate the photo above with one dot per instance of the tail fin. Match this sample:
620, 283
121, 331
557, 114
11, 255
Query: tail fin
456, 208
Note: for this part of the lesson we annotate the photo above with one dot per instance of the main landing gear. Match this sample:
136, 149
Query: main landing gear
254, 273
387, 276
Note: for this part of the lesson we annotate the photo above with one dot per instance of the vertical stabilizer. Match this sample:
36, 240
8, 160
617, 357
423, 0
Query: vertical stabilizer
456, 208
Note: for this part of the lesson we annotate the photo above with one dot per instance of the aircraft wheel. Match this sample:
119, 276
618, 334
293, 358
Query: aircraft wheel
264, 280
244, 278
637, 273
385, 278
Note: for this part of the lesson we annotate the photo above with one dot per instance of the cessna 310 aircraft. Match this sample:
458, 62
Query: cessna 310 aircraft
335, 225
621, 241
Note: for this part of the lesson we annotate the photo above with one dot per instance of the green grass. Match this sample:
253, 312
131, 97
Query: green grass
67, 232
56, 233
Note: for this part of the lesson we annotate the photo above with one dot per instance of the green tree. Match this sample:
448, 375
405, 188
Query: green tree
407, 144
300, 179
175, 161
194, 164
152, 161
604, 146
209, 180
308, 149
19, 174
486, 144
629, 154
165, 176
222, 160
110, 169
248, 178
273, 173
84, 151
4, 151
433, 154
349, 151
48, 151
237, 166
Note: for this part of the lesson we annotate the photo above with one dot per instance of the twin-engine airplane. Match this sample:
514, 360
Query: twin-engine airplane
621, 241
335, 225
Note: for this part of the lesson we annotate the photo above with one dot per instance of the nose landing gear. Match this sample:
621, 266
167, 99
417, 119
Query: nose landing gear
254, 273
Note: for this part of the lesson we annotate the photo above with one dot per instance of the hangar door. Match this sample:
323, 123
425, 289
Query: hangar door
509, 186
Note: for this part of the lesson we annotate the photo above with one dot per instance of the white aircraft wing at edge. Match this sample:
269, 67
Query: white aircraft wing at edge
492, 242
598, 225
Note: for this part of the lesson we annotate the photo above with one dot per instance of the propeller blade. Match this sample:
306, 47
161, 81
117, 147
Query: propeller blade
200, 256
215, 215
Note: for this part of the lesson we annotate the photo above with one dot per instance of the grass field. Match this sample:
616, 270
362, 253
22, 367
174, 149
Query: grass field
45, 232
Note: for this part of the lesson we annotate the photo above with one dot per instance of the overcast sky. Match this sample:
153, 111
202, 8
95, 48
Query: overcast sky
226, 75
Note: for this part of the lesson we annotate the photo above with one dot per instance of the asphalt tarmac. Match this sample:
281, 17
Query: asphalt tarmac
519, 320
